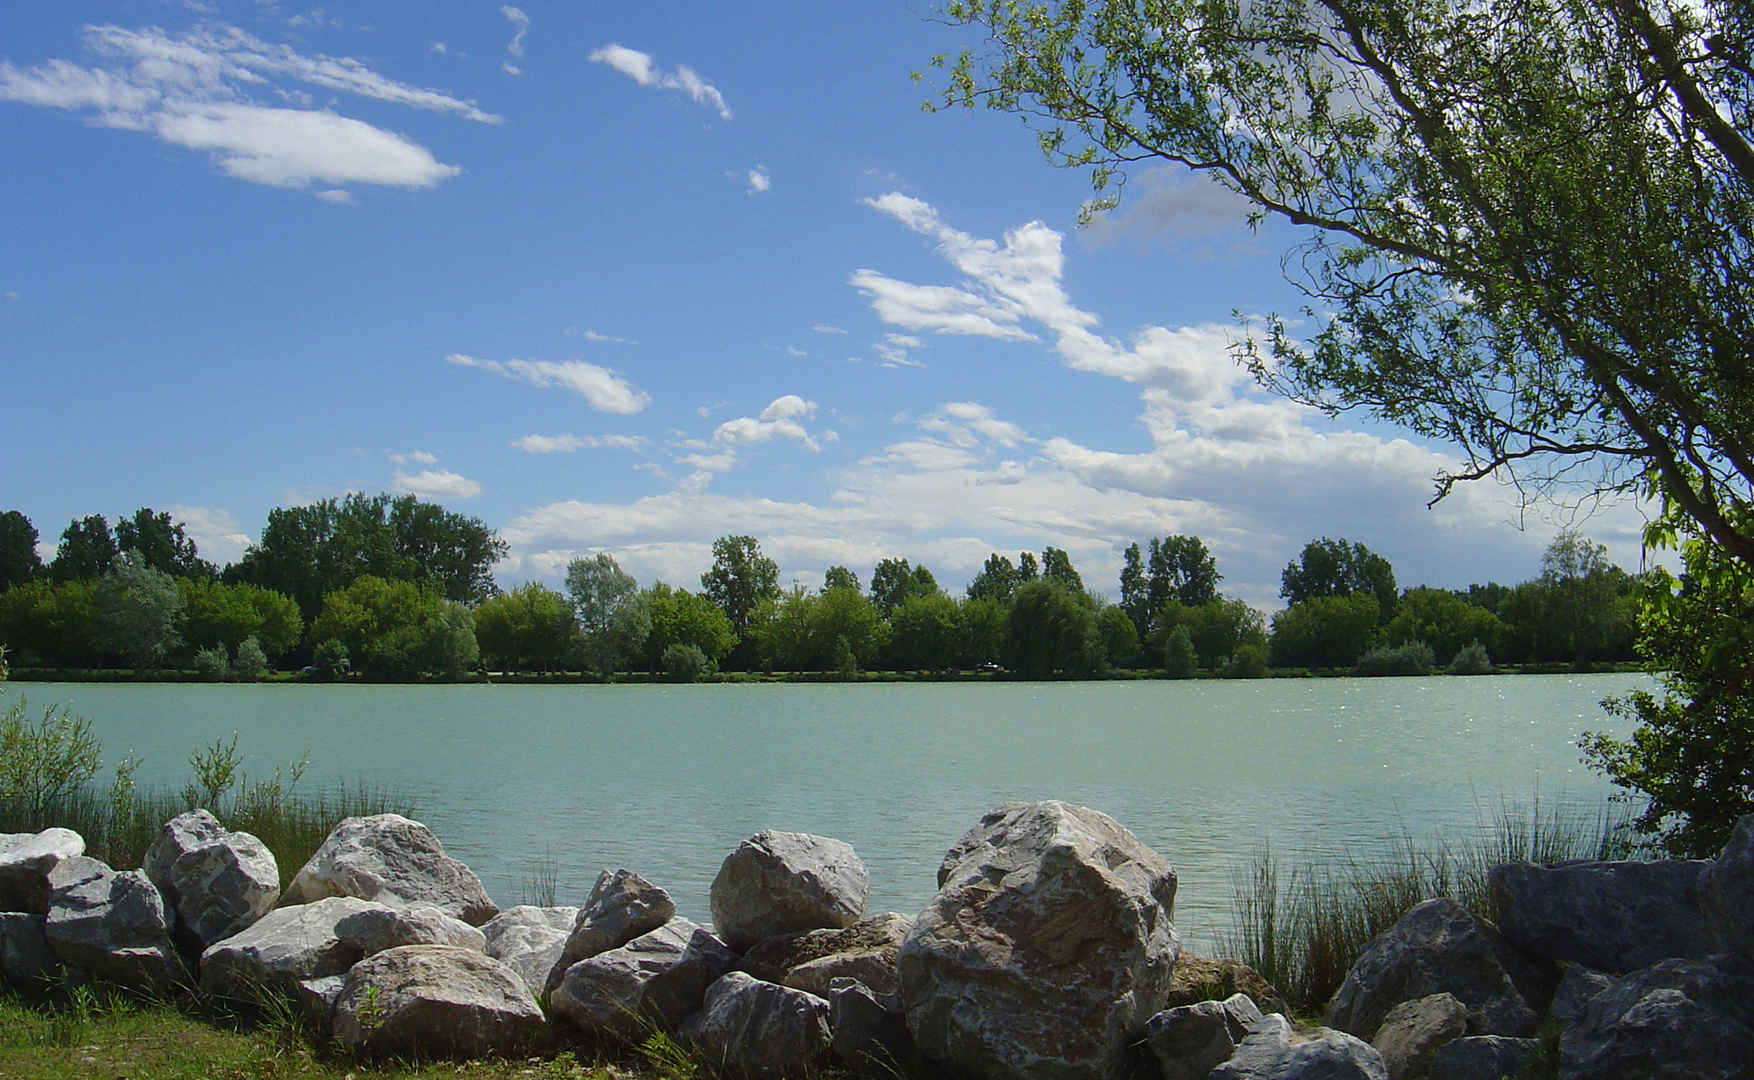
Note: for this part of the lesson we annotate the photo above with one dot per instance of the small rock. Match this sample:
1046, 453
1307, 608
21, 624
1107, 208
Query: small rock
872, 969
112, 924
1577, 988
781, 882
27, 960
870, 1033
1189, 1041
751, 1028
435, 1000
219, 882
1414, 1030
1674, 1020
376, 929
1274, 1051
1726, 891
1197, 978
1439, 947
655, 980
811, 960
1611, 916
285, 947
1483, 1057
394, 861
25, 862
529, 940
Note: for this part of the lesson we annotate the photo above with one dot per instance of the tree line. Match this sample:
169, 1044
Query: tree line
392, 587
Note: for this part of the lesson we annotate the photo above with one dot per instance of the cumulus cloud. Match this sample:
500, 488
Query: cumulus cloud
640, 67
780, 419
604, 389
435, 484
218, 537
566, 444
759, 180
200, 90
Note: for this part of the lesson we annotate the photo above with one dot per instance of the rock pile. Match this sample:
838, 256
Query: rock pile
1048, 952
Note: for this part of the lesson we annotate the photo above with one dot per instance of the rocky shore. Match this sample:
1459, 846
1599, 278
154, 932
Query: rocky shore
1047, 953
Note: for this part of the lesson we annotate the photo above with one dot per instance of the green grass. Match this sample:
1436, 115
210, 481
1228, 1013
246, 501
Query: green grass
1303, 926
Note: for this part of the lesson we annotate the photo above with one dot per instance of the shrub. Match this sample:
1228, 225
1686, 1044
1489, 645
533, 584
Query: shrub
330, 658
1471, 660
212, 664
686, 663
1413, 658
1248, 662
251, 663
1179, 659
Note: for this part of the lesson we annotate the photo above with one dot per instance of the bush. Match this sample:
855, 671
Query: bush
1473, 659
251, 663
330, 658
686, 663
1179, 659
1248, 662
1413, 658
212, 664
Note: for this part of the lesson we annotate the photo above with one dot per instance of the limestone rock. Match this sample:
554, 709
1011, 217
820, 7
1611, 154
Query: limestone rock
746, 1027
316, 998
27, 960
622, 906
655, 980
1727, 891
1577, 988
435, 1000
1046, 949
376, 929
285, 947
1675, 1019
1189, 1041
1273, 1051
219, 882
1483, 1057
870, 1033
1611, 916
782, 882
1413, 1031
112, 924
529, 940
1197, 979
394, 861
25, 862
811, 960
1441, 947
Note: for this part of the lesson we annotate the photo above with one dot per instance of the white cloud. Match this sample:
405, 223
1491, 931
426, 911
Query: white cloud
196, 90
1174, 204
435, 484
439, 47
218, 537
780, 419
592, 335
605, 390
338, 196
566, 444
894, 350
419, 457
521, 22
759, 180
820, 329
639, 67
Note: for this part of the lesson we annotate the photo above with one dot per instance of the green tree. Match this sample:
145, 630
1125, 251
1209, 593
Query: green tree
997, 580
19, 561
138, 609
894, 581
398, 629
1136, 590
1180, 568
678, 615
310, 551
1216, 628
55, 625
529, 628
983, 630
839, 577
162, 544
741, 578
1340, 568
1027, 568
1120, 641
804, 631
613, 620
217, 614
1442, 620
1589, 606
87, 550
1056, 566
926, 633
1051, 632
1325, 632
1180, 660
251, 663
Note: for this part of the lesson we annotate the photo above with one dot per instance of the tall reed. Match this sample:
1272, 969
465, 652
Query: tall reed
1302, 927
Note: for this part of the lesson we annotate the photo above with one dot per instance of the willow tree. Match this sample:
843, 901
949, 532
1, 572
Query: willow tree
1527, 222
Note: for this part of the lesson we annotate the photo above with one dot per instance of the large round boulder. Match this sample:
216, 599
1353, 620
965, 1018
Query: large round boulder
394, 861
218, 881
1046, 949
284, 950
113, 924
435, 1001
749, 1028
1610, 916
652, 982
782, 882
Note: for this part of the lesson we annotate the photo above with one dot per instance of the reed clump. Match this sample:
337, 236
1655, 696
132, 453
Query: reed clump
1302, 926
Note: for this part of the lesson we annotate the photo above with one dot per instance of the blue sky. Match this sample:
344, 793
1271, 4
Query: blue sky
631, 277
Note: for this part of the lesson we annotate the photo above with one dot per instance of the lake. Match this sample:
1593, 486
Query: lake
666, 780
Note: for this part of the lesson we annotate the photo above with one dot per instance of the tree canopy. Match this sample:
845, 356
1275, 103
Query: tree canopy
1339, 568
19, 561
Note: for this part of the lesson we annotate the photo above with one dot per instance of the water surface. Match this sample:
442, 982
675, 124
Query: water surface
666, 780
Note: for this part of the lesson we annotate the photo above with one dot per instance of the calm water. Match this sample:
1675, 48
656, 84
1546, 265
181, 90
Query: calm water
666, 780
